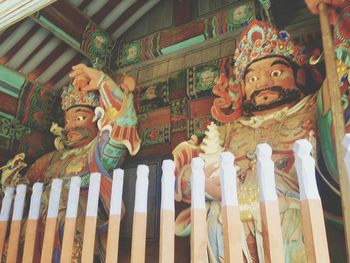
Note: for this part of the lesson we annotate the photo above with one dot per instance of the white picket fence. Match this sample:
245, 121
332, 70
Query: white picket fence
311, 209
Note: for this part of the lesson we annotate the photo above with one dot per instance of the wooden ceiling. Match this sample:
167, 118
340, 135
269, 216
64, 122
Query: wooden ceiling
45, 45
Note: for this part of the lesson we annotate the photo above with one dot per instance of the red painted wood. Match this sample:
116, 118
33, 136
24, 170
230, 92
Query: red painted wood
182, 11
8, 104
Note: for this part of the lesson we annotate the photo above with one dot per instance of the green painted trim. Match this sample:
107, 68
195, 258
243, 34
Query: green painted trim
11, 82
57, 31
6, 115
187, 43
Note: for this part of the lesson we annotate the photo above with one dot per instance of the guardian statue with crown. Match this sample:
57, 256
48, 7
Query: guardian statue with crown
99, 130
267, 100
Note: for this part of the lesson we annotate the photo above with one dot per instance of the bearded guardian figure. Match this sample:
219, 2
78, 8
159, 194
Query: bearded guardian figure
88, 147
272, 105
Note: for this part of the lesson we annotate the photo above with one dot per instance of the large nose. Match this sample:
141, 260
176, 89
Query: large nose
70, 125
264, 81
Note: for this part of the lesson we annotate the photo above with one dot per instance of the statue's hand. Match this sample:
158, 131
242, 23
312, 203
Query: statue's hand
93, 76
212, 181
313, 6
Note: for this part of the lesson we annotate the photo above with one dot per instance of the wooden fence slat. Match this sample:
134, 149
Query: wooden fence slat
230, 209
71, 217
50, 225
91, 219
5, 215
115, 217
311, 208
167, 214
32, 223
198, 212
16, 223
138, 245
269, 208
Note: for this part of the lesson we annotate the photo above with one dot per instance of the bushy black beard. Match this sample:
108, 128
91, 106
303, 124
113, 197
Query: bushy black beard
285, 97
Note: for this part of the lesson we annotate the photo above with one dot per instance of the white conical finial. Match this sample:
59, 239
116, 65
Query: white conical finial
197, 183
228, 180
117, 192
6, 204
265, 169
305, 167
35, 201
73, 197
141, 188
168, 185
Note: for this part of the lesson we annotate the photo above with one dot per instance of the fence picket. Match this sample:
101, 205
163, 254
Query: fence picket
16, 223
269, 208
4, 216
32, 223
167, 214
230, 209
50, 226
71, 217
311, 208
198, 212
91, 218
138, 245
114, 217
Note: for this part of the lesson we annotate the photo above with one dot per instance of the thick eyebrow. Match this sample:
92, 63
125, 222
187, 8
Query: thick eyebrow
281, 62
83, 110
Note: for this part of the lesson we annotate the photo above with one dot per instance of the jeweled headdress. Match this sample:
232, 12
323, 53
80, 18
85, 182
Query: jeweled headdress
260, 39
74, 95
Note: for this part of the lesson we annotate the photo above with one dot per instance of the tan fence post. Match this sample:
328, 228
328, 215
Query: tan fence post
91, 219
115, 217
32, 223
50, 226
138, 246
167, 214
71, 217
230, 209
16, 223
198, 213
5, 215
269, 209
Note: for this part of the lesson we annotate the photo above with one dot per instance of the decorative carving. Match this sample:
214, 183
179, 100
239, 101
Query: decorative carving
179, 115
156, 135
12, 128
98, 45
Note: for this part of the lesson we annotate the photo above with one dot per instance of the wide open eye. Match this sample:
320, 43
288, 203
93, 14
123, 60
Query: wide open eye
253, 79
81, 118
276, 73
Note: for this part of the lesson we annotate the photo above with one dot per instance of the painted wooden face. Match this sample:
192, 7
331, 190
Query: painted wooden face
79, 127
269, 83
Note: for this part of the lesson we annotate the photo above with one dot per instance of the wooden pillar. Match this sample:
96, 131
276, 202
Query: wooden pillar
138, 246
167, 214
199, 234
269, 209
5, 215
91, 219
71, 217
230, 209
32, 223
50, 226
16, 223
337, 118
115, 217
311, 208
